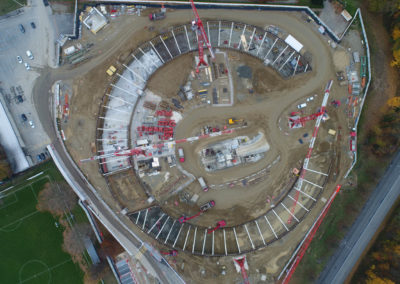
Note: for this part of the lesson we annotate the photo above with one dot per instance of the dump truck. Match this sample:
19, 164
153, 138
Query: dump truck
181, 155
157, 16
203, 184
234, 121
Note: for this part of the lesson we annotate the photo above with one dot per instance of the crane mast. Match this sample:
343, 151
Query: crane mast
197, 26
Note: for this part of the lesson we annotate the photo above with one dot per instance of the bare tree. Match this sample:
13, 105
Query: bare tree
110, 247
97, 271
57, 198
74, 238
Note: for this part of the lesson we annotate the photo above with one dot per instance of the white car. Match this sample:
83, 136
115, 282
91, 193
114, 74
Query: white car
19, 59
31, 124
27, 66
29, 54
303, 105
310, 99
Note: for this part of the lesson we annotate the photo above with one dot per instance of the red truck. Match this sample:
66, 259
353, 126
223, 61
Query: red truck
181, 155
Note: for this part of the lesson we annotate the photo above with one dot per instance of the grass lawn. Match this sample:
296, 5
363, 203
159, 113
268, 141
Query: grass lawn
30, 243
7, 6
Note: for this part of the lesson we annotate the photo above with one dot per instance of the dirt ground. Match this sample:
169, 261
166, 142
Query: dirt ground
266, 111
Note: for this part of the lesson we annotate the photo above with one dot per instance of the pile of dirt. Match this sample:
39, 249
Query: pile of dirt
168, 78
266, 80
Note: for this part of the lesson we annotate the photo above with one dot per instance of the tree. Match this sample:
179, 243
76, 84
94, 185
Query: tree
74, 238
97, 271
5, 169
110, 247
394, 102
317, 2
57, 198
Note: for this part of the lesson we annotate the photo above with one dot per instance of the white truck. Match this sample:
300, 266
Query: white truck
203, 184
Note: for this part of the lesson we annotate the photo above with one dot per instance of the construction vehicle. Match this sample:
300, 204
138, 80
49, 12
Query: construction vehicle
206, 206
181, 155
197, 25
157, 16
203, 184
232, 121
220, 224
203, 208
171, 252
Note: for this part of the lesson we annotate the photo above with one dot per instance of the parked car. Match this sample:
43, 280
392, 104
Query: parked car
21, 28
303, 105
33, 25
42, 156
46, 3
24, 118
309, 99
29, 54
31, 124
27, 66
19, 59
20, 99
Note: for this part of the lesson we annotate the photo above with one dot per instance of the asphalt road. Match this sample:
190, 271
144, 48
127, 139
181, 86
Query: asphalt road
364, 228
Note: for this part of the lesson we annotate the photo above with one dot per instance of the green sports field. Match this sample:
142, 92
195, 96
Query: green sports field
30, 243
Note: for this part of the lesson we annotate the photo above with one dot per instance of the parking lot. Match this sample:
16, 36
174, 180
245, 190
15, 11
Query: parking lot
16, 82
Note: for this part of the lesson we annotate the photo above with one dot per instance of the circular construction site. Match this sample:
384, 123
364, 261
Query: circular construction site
224, 157
211, 142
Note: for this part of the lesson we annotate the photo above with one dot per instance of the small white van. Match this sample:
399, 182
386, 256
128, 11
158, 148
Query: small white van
303, 105
29, 54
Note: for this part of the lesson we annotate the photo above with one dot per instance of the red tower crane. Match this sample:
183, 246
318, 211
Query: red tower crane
197, 25
310, 149
241, 263
131, 152
302, 120
307, 240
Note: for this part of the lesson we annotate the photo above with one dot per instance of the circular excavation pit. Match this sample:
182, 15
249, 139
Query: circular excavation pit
215, 135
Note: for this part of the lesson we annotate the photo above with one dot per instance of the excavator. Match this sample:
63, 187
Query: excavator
232, 121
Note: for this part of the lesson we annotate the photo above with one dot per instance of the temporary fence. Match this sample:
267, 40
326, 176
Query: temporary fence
364, 34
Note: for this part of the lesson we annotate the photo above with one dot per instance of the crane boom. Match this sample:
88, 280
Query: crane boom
307, 240
202, 38
241, 262
312, 141
302, 120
